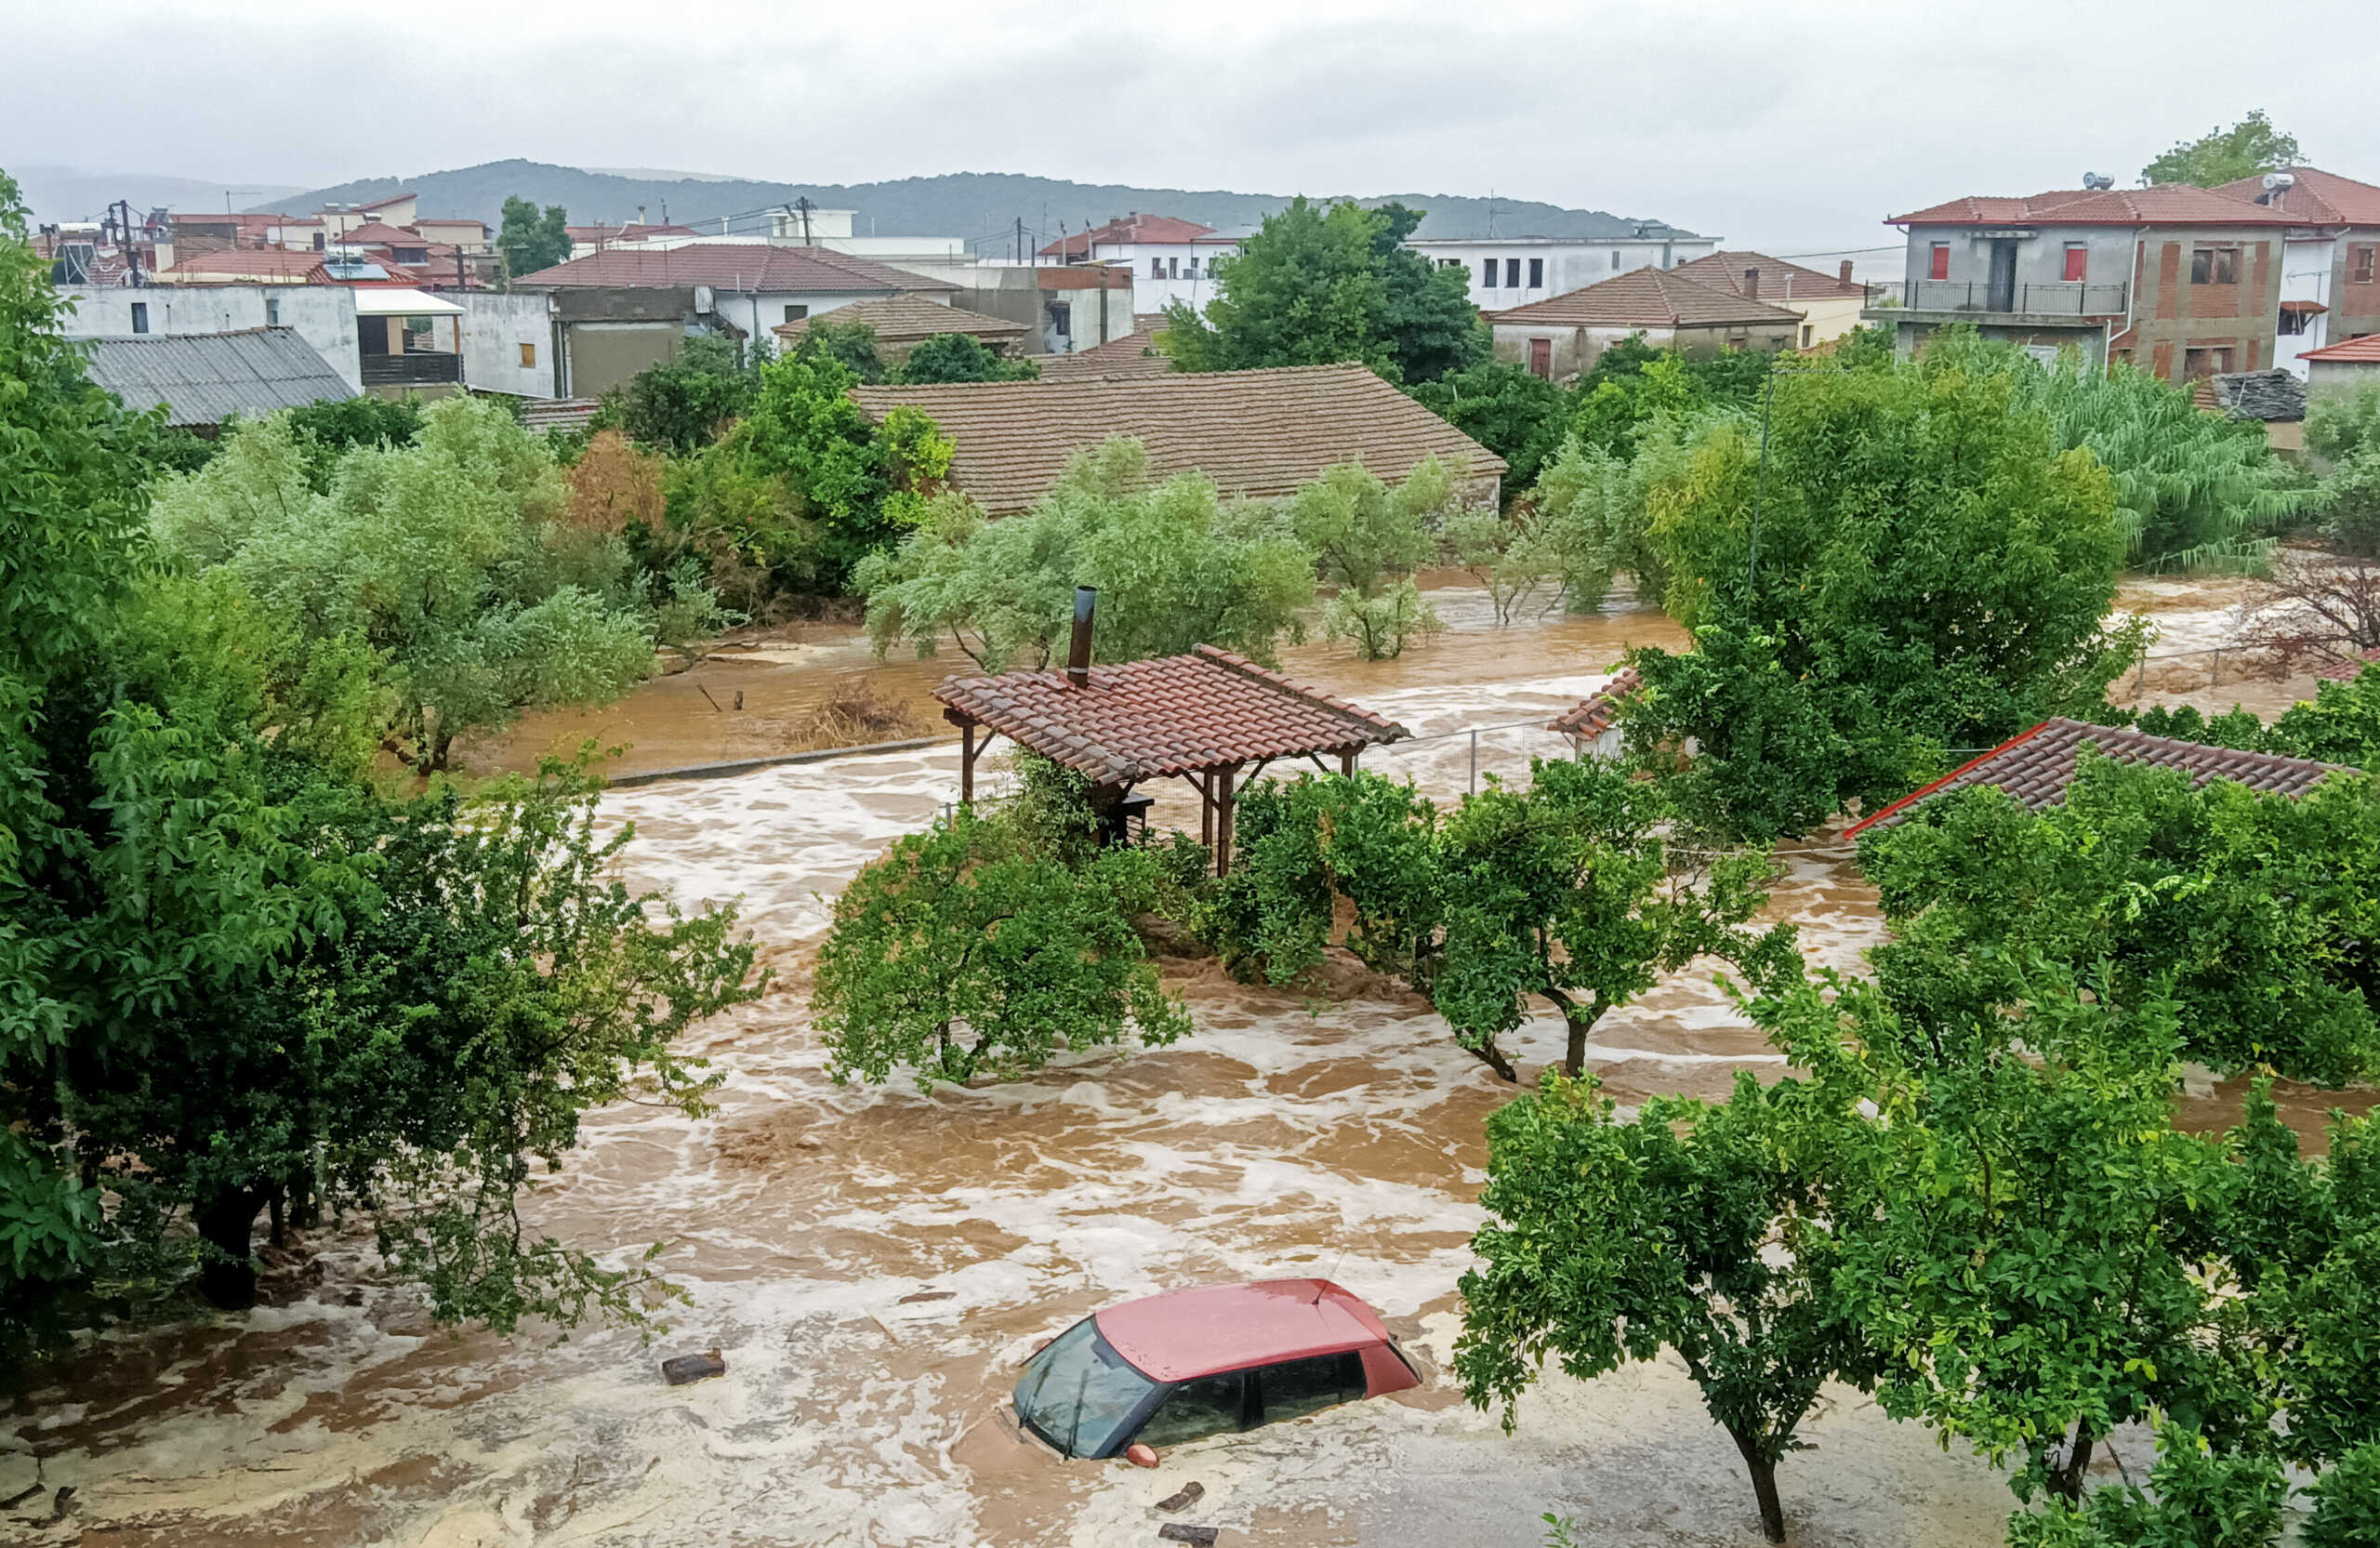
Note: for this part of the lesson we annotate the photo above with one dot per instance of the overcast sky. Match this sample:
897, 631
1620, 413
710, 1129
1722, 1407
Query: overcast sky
1789, 123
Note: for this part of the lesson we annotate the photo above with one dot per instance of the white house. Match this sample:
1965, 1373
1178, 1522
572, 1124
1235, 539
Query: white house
323, 315
2329, 261
1507, 271
1169, 260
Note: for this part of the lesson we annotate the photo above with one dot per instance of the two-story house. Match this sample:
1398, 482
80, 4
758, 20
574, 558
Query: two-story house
1508, 272
2330, 272
2183, 281
1169, 260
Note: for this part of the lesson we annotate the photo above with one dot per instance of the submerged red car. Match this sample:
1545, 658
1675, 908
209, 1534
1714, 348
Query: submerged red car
1176, 1368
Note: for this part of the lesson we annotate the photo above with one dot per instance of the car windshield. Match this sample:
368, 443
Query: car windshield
1078, 1393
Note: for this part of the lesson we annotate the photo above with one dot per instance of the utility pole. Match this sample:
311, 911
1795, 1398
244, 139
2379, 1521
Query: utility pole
801, 203
124, 235
1020, 239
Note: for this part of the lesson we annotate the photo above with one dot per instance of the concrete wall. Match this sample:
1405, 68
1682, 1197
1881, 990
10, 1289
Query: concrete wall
2338, 376
1575, 350
1830, 317
2354, 304
2171, 316
323, 315
604, 355
1567, 264
1096, 312
2308, 270
497, 325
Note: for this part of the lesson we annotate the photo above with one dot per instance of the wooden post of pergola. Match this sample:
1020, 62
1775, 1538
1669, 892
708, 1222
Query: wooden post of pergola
1210, 718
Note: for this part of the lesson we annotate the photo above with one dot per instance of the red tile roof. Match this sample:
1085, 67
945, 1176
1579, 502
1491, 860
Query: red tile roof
632, 231
2317, 197
1175, 714
1645, 299
291, 266
909, 318
1132, 227
2166, 205
384, 204
736, 265
1135, 354
2349, 352
2348, 670
372, 233
2035, 768
1779, 280
1257, 434
1598, 712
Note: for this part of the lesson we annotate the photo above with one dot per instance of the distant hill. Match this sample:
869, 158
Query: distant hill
983, 206
56, 194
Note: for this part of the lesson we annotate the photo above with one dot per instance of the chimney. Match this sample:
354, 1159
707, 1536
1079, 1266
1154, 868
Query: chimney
1844, 272
640, 215
1079, 653
1751, 284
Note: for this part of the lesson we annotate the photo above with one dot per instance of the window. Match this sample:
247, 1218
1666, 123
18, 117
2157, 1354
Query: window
2214, 266
1076, 1393
2360, 263
272, 311
1807, 330
2211, 362
139, 317
1157, 268
1190, 271
1615, 260
1536, 273
2291, 325
1295, 1388
1511, 274
1062, 319
795, 311
528, 357
318, 241
1938, 263
2077, 260
1488, 274
1174, 269
1195, 1410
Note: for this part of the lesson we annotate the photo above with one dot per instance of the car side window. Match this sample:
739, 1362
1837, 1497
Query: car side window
1296, 1387
1195, 1410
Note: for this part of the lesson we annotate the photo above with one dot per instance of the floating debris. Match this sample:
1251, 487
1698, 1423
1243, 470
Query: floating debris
1174, 1531
1190, 1495
680, 1369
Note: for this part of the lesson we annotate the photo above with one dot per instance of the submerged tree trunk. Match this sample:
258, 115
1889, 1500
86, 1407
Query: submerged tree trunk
1574, 1062
1762, 1469
2067, 1478
224, 1222
1493, 1057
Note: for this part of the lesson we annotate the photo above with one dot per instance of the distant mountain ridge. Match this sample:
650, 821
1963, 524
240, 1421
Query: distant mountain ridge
982, 207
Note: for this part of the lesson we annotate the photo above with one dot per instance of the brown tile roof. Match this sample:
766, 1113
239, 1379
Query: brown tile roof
291, 266
1145, 719
1779, 280
2036, 767
736, 265
906, 319
372, 233
2349, 352
2166, 205
1645, 299
384, 204
1258, 434
1598, 712
1132, 355
629, 232
2348, 670
1132, 227
2317, 197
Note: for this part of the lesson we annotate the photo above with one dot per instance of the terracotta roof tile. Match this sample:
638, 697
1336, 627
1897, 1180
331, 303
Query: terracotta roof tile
2350, 352
740, 265
2317, 197
1258, 434
2166, 205
1135, 354
1779, 280
1600, 712
906, 318
2348, 670
1132, 227
1175, 714
2036, 767
1645, 299
372, 233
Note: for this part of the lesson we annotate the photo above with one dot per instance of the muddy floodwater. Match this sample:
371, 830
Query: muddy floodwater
873, 1263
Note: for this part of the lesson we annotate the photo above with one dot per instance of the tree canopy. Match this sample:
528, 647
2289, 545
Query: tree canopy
530, 240
959, 357
1317, 285
2222, 155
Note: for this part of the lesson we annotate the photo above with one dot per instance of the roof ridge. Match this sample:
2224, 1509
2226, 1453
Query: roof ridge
1233, 661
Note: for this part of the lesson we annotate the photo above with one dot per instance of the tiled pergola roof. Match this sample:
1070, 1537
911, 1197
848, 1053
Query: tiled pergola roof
1598, 712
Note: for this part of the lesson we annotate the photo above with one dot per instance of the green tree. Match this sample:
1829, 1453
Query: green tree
2347, 1508
445, 559
959, 357
1595, 509
682, 405
1688, 1227
2221, 156
1515, 414
531, 240
1174, 565
964, 952
2249, 911
1564, 893
852, 345
1370, 539
1318, 286
2197, 1498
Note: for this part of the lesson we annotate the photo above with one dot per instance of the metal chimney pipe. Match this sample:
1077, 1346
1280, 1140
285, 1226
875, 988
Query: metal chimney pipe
1079, 652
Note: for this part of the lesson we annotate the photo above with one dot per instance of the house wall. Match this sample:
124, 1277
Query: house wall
604, 355
2172, 316
2338, 376
1568, 265
1097, 312
2308, 267
495, 326
323, 315
1187, 271
1575, 349
1828, 318
758, 312
2355, 306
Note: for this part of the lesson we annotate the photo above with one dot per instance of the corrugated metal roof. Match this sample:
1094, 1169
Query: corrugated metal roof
203, 379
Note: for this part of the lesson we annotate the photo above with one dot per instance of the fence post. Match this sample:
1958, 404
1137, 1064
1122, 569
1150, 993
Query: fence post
1474, 760
2216, 674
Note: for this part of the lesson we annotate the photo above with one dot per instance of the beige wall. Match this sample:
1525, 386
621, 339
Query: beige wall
1828, 318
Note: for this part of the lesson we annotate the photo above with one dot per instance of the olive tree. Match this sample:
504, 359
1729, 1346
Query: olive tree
1370, 539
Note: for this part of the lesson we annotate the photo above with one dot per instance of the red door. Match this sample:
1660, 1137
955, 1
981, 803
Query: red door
1541, 358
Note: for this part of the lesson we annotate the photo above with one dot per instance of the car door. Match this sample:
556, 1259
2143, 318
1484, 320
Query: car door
1294, 1388
1198, 1408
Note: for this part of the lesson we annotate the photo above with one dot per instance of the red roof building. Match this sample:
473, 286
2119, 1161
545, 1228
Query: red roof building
742, 267
2352, 351
1599, 712
1134, 231
1560, 336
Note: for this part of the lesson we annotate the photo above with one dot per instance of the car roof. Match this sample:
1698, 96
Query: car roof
1215, 1328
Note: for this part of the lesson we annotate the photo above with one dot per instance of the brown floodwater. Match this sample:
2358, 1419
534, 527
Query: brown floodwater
873, 1263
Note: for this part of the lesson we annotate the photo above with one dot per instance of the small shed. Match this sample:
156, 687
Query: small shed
205, 379
2035, 767
1210, 718
2274, 399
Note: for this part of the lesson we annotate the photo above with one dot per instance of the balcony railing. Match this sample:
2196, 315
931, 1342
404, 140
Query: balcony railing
422, 368
2037, 299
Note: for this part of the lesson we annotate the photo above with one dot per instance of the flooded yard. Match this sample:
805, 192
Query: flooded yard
873, 1263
